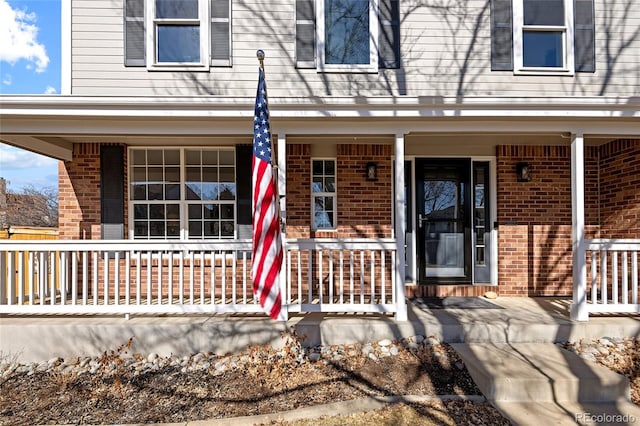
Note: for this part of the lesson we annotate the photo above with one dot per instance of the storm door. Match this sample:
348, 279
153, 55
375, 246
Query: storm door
443, 210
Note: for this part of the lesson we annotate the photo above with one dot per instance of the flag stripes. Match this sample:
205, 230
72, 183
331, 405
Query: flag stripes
267, 244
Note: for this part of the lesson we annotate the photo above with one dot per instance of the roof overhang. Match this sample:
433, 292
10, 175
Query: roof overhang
50, 124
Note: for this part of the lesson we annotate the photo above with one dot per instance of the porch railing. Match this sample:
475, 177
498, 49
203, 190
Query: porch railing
165, 277
612, 275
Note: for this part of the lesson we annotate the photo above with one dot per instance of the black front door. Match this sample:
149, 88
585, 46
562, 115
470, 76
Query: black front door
444, 220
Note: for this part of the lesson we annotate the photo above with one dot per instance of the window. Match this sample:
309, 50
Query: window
543, 36
347, 35
183, 193
544, 41
323, 192
177, 34
180, 33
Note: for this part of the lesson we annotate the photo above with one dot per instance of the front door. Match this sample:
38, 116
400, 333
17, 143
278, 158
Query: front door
444, 211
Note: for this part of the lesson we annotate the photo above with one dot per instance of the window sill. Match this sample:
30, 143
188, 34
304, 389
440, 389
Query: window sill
545, 71
348, 69
178, 67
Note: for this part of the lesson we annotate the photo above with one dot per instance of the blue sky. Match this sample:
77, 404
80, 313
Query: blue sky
29, 64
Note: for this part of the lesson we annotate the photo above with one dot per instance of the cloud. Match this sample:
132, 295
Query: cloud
50, 90
7, 80
12, 158
18, 38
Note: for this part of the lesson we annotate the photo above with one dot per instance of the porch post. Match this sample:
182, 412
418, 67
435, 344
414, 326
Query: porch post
400, 229
579, 310
282, 193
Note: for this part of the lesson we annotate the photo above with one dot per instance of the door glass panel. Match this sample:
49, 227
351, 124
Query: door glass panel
481, 223
443, 226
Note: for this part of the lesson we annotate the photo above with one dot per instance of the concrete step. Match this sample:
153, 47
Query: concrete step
539, 372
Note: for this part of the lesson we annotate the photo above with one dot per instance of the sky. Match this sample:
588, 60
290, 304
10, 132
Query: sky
29, 65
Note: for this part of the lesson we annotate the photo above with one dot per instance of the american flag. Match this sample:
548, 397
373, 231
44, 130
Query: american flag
267, 246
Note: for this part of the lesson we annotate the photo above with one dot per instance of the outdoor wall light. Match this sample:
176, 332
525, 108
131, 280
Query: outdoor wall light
523, 171
372, 171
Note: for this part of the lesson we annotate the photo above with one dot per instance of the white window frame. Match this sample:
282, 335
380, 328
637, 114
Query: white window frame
372, 66
334, 195
204, 21
183, 202
568, 67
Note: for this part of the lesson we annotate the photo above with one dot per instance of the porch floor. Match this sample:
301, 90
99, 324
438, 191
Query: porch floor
513, 320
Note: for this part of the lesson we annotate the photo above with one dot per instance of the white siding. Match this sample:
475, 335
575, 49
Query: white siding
444, 52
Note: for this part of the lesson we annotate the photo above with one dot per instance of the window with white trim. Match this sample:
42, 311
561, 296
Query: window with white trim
543, 36
182, 193
180, 33
559, 44
347, 34
323, 193
177, 34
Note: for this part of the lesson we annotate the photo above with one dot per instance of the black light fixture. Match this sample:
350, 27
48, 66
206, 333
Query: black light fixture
523, 171
372, 171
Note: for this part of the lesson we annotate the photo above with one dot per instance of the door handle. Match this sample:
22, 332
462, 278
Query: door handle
419, 220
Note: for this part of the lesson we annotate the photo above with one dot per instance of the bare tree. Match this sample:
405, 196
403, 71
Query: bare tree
33, 206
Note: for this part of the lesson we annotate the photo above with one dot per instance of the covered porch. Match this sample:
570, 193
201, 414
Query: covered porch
356, 269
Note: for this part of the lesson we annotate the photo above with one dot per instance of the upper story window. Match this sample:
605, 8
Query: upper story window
177, 34
182, 193
554, 37
544, 41
323, 193
347, 35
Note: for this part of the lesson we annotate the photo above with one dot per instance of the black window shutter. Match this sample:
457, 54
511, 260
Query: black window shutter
501, 35
244, 155
305, 34
389, 36
221, 32
112, 191
134, 46
584, 36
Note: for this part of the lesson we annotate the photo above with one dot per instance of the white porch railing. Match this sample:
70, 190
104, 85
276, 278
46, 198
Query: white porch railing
150, 277
612, 275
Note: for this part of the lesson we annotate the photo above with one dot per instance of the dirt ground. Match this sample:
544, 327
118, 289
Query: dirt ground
258, 381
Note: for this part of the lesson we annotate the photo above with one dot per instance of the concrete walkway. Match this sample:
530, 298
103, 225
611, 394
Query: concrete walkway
507, 320
528, 382
505, 343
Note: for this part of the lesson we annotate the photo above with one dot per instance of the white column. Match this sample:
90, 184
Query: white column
400, 229
282, 192
579, 310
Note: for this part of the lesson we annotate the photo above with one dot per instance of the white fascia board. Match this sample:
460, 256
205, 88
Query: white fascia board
311, 107
388, 115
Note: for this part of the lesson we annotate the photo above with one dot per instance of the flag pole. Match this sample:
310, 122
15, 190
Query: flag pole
284, 314
260, 55
274, 162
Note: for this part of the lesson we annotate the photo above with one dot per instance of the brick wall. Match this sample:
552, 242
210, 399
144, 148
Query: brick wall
534, 234
620, 189
364, 207
79, 194
298, 190
534, 243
